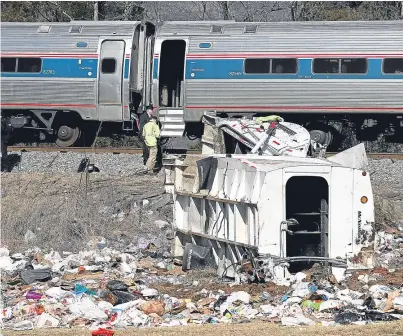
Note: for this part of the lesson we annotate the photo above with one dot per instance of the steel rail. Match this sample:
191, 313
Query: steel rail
128, 150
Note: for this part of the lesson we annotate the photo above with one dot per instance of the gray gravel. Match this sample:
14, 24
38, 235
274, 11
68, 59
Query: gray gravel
385, 174
56, 162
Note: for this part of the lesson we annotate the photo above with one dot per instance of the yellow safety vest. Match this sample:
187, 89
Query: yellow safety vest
151, 132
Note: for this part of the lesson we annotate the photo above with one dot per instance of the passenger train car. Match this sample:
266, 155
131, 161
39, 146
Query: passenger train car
56, 76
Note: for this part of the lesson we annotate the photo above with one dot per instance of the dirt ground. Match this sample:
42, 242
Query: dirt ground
56, 206
193, 292
245, 329
382, 276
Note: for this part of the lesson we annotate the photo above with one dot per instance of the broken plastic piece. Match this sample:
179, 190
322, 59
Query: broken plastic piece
47, 321
31, 295
80, 289
193, 252
23, 325
31, 275
369, 303
103, 332
116, 285
124, 297
348, 317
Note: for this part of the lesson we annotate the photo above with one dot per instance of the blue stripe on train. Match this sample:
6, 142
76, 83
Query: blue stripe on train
66, 68
233, 69
155, 67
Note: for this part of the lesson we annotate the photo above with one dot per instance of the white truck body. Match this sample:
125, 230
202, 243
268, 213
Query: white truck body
281, 208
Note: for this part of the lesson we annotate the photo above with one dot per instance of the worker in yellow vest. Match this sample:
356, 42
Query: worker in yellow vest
151, 134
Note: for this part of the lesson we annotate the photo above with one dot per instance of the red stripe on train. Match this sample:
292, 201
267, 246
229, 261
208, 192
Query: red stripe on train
47, 55
56, 55
284, 55
48, 105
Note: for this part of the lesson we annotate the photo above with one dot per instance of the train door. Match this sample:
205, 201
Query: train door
148, 69
171, 86
110, 100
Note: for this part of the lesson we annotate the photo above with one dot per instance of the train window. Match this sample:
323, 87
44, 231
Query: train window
108, 65
354, 66
326, 65
284, 65
8, 64
257, 65
393, 66
29, 65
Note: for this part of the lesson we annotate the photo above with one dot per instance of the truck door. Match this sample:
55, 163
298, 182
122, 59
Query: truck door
110, 103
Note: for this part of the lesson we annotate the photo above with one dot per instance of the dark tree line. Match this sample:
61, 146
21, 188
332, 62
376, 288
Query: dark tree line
159, 11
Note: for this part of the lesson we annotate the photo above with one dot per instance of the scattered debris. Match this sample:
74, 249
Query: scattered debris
104, 289
269, 135
92, 291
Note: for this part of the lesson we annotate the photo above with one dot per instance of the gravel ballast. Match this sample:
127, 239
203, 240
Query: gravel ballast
56, 162
384, 172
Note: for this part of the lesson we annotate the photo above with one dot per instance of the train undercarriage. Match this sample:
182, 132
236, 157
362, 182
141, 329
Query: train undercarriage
66, 128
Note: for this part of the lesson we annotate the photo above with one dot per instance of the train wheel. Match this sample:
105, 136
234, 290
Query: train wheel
67, 136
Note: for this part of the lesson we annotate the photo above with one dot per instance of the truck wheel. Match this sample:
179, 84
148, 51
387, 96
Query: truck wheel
324, 134
321, 137
67, 136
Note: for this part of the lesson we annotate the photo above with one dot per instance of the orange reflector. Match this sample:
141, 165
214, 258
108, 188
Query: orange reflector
364, 199
364, 173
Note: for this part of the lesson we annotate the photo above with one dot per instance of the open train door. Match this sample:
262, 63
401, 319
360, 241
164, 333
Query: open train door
171, 86
111, 61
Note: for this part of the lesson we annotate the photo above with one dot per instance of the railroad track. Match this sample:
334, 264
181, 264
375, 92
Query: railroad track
121, 150
394, 156
75, 149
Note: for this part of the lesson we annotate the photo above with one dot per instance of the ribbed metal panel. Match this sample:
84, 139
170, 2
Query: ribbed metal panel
48, 92
21, 42
280, 28
314, 42
299, 93
23, 37
190, 28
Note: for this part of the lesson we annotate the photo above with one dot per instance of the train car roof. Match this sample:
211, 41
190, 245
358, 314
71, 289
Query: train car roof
202, 28
62, 37
78, 22
73, 27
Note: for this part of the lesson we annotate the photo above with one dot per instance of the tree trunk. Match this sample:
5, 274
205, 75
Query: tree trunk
225, 10
96, 11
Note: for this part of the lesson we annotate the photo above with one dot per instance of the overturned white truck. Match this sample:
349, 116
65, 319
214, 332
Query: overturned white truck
284, 213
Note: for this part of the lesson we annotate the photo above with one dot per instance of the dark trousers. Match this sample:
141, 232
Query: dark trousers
159, 156
146, 152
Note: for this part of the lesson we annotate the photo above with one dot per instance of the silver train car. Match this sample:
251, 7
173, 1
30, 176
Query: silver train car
312, 73
58, 77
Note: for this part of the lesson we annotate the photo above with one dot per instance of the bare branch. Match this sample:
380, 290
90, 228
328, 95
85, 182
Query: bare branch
60, 9
40, 13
